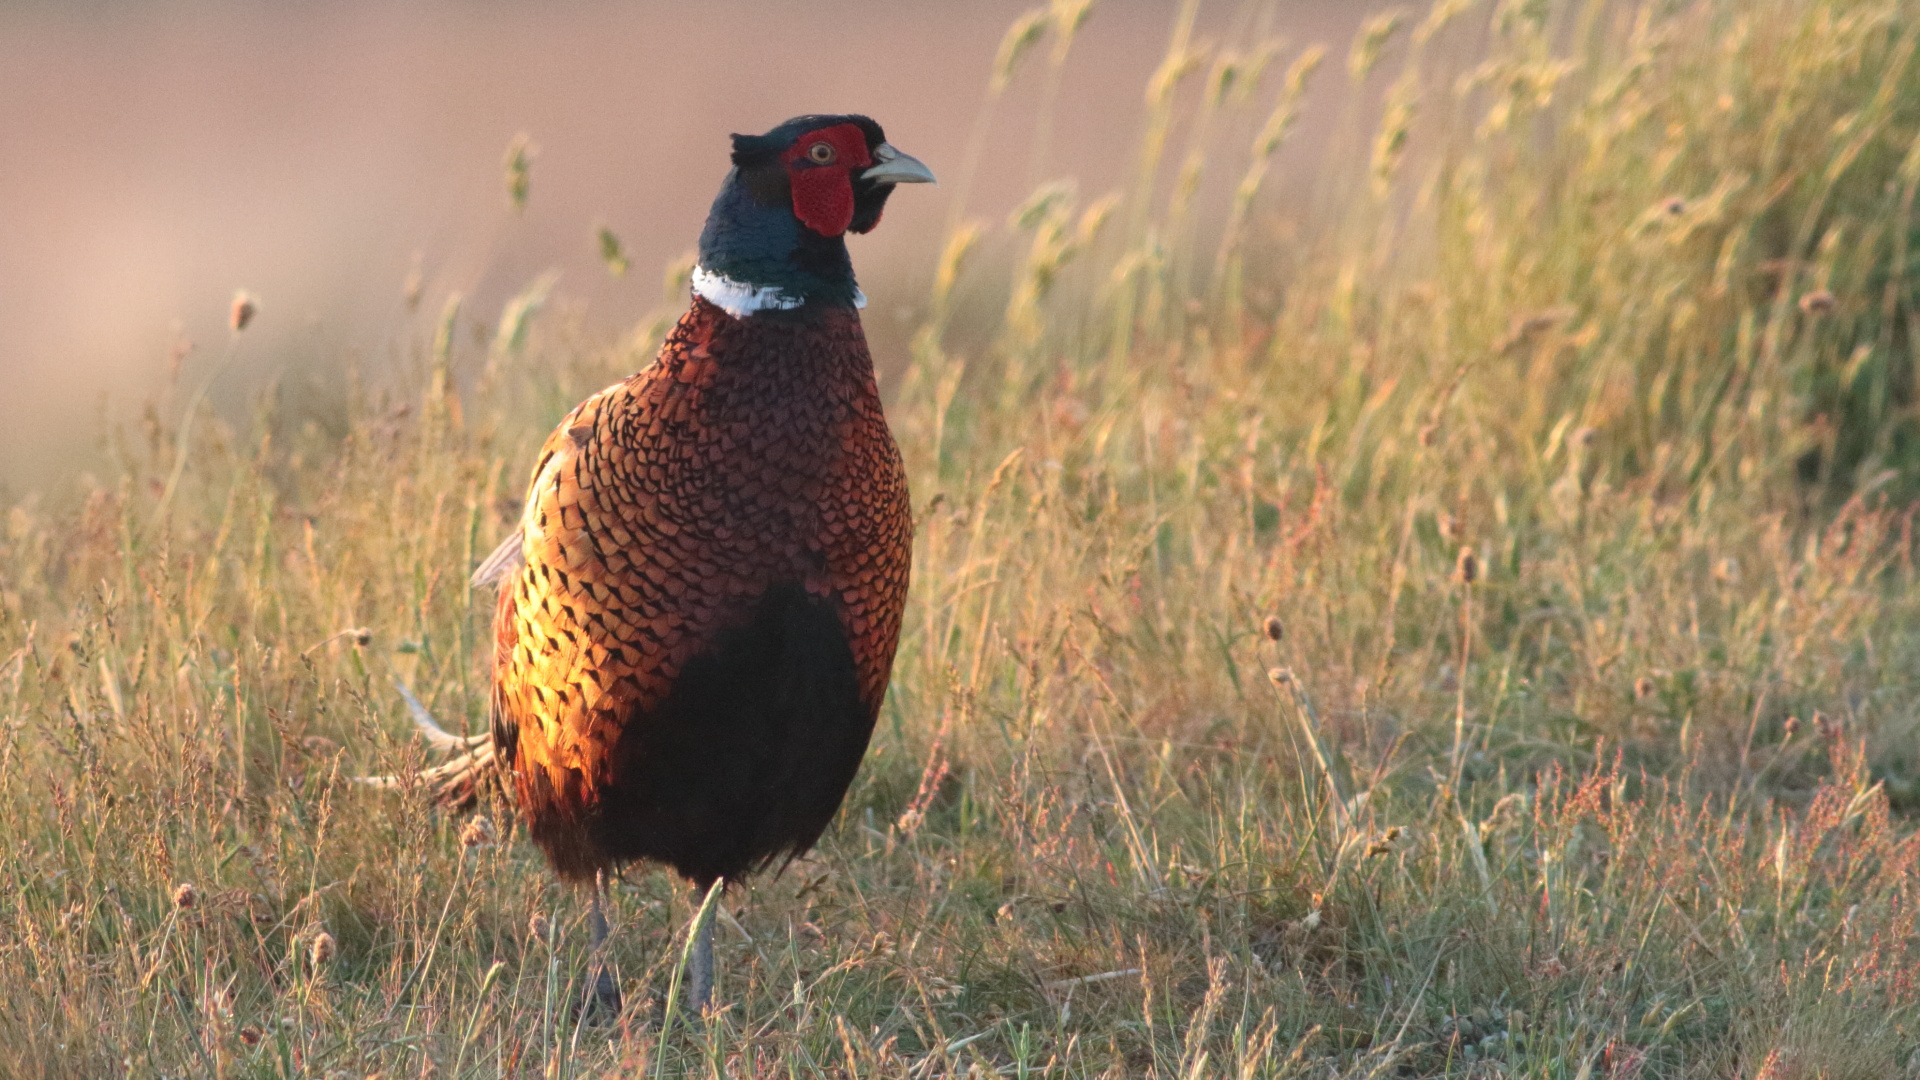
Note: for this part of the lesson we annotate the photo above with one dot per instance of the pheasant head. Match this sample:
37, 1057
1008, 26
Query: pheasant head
775, 239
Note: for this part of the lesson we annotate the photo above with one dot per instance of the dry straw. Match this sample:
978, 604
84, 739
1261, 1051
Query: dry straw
1571, 489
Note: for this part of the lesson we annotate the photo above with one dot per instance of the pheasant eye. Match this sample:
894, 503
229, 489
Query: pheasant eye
820, 153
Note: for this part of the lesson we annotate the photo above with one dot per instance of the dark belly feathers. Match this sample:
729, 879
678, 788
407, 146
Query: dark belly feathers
750, 754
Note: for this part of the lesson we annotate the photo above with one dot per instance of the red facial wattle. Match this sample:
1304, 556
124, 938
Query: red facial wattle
823, 193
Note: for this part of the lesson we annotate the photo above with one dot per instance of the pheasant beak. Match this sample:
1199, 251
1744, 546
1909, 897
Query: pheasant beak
890, 166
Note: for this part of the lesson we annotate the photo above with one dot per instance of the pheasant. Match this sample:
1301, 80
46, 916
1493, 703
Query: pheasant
699, 610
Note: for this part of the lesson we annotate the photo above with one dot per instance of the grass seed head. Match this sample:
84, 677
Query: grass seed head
518, 167
1507, 812
323, 948
1026, 32
413, 285
1817, 302
612, 254
1385, 842
1369, 42
477, 832
242, 311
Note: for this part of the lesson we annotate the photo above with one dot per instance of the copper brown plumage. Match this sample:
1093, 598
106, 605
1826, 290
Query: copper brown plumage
699, 610
749, 467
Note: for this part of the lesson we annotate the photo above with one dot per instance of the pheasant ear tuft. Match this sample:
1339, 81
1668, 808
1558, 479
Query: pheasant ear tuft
750, 149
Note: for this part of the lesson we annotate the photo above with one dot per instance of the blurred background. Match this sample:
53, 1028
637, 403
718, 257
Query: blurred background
343, 163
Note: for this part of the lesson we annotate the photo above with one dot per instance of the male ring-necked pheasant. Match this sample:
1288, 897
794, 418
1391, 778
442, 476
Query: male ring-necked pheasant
699, 610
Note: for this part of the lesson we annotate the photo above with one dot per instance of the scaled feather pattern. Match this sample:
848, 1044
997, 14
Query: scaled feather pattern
713, 562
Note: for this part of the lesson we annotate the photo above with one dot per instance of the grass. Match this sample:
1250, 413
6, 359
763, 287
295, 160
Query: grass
1465, 629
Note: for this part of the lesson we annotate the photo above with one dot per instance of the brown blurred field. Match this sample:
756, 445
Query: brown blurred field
160, 156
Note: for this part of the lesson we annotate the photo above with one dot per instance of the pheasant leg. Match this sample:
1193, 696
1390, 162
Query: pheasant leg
700, 962
606, 992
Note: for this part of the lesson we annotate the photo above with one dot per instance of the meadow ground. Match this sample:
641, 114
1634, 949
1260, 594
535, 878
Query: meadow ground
1470, 632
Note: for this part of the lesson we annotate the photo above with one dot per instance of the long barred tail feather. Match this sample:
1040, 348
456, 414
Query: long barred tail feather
440, 738
456, 782
508, 557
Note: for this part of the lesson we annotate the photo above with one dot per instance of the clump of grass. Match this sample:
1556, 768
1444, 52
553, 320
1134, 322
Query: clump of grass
1388, 655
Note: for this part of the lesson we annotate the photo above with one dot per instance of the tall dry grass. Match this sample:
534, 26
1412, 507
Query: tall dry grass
1470, 631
